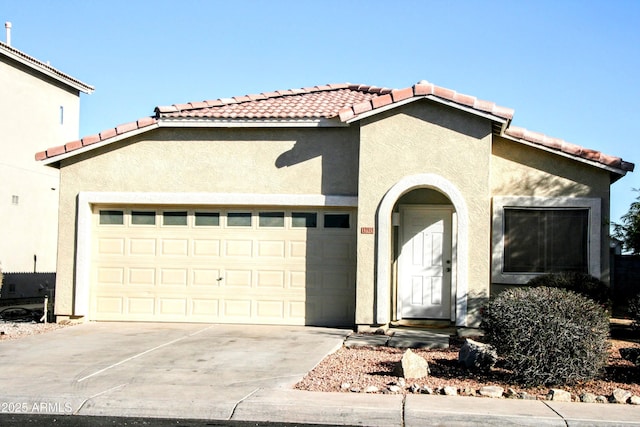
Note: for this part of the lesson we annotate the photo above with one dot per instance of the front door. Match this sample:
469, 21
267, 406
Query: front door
424, 275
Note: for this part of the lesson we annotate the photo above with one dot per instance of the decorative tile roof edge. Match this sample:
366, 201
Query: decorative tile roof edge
45, 68
387, 97
560, 145
103, 136
423, 89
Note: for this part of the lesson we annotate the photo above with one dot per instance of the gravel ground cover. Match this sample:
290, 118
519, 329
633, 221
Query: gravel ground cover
363, 367
15, 330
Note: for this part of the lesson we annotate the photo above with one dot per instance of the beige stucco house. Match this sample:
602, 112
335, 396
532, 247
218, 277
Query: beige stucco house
39, 106
329, 205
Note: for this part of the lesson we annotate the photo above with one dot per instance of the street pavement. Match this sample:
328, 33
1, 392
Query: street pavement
234, 374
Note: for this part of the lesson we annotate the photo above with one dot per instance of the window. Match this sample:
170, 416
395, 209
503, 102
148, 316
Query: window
546, 240
304, 219
143, 217
271, 219
174, 218
111, 217
336, 220
15, 200
239, 219
61, 115
537, 235
207, 219
12, 288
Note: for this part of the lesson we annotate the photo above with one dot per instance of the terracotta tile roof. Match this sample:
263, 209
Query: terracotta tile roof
44, 68
94, 139
563, 146
343, 102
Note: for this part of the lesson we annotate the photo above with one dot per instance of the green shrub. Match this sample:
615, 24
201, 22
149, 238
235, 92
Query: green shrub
581, 283
547, 336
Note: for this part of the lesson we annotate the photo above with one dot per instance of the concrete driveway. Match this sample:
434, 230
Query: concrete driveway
158, 370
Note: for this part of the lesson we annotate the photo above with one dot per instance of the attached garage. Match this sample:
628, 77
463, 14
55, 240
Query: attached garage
269, 265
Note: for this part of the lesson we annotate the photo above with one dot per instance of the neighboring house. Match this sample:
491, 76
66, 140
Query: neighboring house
38, 105
329, 205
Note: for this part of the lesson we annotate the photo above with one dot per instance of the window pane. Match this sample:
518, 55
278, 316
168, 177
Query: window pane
143, 217
568, 240
304, 219
336, 220
271, 219
207, 219
239, 219
111, 217
546, 240
174, 218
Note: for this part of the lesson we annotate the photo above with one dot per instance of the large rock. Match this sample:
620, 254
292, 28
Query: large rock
412, 366
491, 391
476, 355
619, 396
559, 395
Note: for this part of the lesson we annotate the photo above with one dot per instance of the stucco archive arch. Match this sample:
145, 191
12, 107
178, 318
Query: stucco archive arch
384, 244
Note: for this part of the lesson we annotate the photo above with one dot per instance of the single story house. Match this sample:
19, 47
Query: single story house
329, 205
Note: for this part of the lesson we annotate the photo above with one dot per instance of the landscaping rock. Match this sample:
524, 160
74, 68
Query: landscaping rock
619, 396
394, 389
601, 399
526, 396
588, 398
414, 388
558, 395
345, 386
511, 394
476, 355
634, 400
412, 366
468, 391
491, 391
426, 390
632, 354
450, 391
371, 389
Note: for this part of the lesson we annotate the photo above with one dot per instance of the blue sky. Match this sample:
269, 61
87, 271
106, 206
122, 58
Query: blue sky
569, 68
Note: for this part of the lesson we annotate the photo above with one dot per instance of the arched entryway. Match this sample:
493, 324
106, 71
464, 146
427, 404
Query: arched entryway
443, 205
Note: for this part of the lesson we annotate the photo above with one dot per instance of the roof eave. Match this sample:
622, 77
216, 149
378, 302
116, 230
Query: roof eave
73, 83
55, 160
617, 173
504, 122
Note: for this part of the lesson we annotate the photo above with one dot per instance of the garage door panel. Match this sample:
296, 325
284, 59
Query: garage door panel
142, 276
175, 247
205, 277
277, 275
110, 276
142, 247
271, 279
141, 306
239, 248
111, 246
237, 278
271, 248
206, 247
173, 276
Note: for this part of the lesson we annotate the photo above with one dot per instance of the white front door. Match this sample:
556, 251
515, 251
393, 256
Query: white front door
424, 276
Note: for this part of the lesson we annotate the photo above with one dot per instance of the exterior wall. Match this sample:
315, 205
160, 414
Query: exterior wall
419, 138
520, 170
30, 110
265, 161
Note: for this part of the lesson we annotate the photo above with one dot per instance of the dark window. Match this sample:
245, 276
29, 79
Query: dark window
143, 217
336, 220
546, 240
239, 219
304, 219
111, 217
174, 218
207, 219
271, 219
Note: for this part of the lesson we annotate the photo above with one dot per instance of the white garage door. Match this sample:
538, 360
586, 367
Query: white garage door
271, 266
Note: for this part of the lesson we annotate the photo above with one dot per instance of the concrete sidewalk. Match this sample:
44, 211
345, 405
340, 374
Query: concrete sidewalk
292, 406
